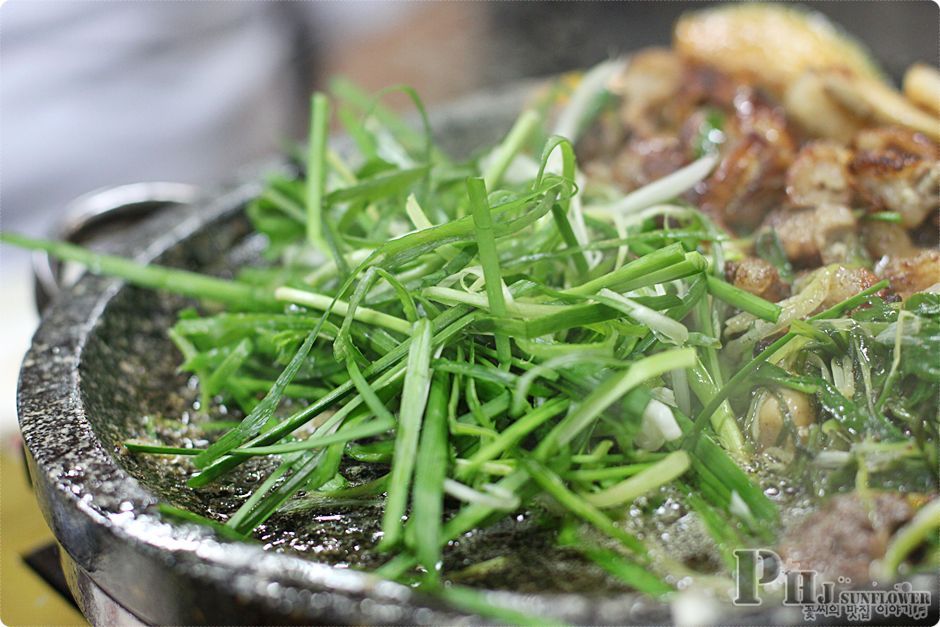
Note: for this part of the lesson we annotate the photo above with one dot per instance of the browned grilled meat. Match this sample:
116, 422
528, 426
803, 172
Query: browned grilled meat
765, 178
749, 180
836, 233
847, 282
898, 170
645, 160
751, 177
811, 237
758, 277
844, 537
899, 140
651, 81
820, 175
795, 231
884, 239
745, 186
909, 275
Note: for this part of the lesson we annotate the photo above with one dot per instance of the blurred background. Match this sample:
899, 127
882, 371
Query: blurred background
97, 94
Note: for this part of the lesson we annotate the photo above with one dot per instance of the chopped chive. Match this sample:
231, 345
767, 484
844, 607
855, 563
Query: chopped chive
662, 258
237, 295
430, 473
660, 473
366, 392
617, 564
298, 479
618, 384
627, 571
747, 369
187, 516
367, 430
924, 523
513, 434
159, 449
605, 474
340, 308
317, 167
722, 421
666, 188
262, 412
663, 324
237, 519
745, 301
884, 216
414, 399
503, 155
567, 234
229, 366
489, 258
555, 487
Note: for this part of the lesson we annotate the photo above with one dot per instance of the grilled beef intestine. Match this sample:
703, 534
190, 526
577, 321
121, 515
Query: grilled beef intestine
757, 276
898, 170
818, 196
842, 539
820, 175
916, 273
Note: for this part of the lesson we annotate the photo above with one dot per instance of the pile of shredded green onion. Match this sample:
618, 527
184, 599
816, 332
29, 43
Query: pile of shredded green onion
493, 334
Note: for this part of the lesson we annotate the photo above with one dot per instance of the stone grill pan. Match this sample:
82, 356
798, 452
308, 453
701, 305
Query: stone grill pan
101, 370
